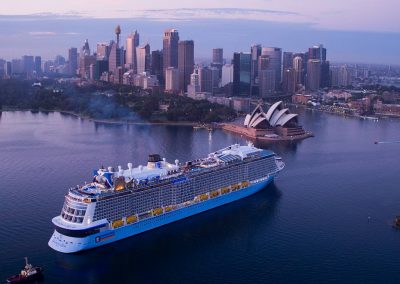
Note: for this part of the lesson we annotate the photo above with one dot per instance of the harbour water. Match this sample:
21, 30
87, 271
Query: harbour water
327, 218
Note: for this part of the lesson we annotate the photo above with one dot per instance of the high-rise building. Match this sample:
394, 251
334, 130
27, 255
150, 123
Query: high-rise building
287, 61
72, 60
170, 49
318, 52
266, 75
275, 62
157, 64
255, 54
114, 59
7, 69
313, 74
143, 58
289, 81
227, 74
205, 79
38, 65
194, 86
298, 69
17, 66
84, 65
132, 42
100, 67
185, 62
28, 65
241, 73
172, 80
102, 51
218, 56
344, 76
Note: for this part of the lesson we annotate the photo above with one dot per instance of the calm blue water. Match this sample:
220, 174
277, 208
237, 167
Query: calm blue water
312, 226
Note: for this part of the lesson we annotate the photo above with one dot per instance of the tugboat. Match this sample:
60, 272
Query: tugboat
28, 274
396, 223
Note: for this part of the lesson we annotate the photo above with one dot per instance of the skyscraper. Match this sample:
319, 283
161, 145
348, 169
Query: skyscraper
287, 61
313, 74
255, 54
266, 75
72, 60
298, 69
318, 52
289, 81
185, 62
227, 74
38, 65
275, 62
102, 51
170, 49
114, 58
143, 58
28, 65
218, 56
205, 79
132, 42
172, 80
157, 64
241, 73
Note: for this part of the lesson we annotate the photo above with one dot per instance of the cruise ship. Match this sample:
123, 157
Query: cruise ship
121, 203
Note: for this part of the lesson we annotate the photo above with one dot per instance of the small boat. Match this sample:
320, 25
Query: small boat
396, 223
28, 273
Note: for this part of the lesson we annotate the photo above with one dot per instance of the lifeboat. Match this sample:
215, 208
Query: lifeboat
169, 208
225, 190
214, 193
203, 196
245, 183
131, 219
117, 223
157, 211
235, 187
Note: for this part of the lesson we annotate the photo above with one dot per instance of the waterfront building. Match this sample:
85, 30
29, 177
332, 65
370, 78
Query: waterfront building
275, 58
241, 73
72, 60
313, 74
172, 80
143, 59
132, 42
185, 62
170, 49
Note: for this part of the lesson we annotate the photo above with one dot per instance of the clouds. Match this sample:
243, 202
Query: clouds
51, 34
348, 15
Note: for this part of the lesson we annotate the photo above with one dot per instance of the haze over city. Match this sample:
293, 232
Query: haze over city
353, 31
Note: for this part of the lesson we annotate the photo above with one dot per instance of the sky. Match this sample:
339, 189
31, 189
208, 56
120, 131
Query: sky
352, 30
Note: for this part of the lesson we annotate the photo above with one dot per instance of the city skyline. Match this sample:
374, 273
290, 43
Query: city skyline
346, 28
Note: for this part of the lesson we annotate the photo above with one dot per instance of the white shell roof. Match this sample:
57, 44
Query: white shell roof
275, 116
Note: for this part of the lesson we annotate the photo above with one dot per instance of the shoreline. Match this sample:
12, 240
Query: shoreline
108, 121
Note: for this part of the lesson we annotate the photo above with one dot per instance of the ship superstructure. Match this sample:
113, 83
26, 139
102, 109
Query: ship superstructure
120, 203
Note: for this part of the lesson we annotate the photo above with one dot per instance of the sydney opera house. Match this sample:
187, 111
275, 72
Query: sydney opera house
277, 124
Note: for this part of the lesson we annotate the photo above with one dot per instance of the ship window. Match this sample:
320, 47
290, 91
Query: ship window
77, 233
